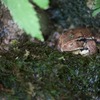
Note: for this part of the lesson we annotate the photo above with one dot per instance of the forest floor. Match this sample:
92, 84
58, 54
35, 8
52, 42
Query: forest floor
34, 71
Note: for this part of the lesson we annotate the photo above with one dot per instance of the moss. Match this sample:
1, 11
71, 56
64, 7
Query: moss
76, 13
48, 74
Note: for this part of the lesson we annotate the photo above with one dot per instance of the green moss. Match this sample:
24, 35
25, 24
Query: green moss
48, 74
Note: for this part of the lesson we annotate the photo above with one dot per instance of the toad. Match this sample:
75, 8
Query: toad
79, 41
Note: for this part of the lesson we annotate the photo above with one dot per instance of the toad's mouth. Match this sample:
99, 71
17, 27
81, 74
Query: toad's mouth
71, 50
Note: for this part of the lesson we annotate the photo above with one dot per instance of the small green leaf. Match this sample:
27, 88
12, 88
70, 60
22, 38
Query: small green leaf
97, 4
96, 12
42, 3
25, 16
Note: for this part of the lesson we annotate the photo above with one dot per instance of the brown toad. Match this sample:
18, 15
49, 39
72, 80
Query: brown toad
79, 41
